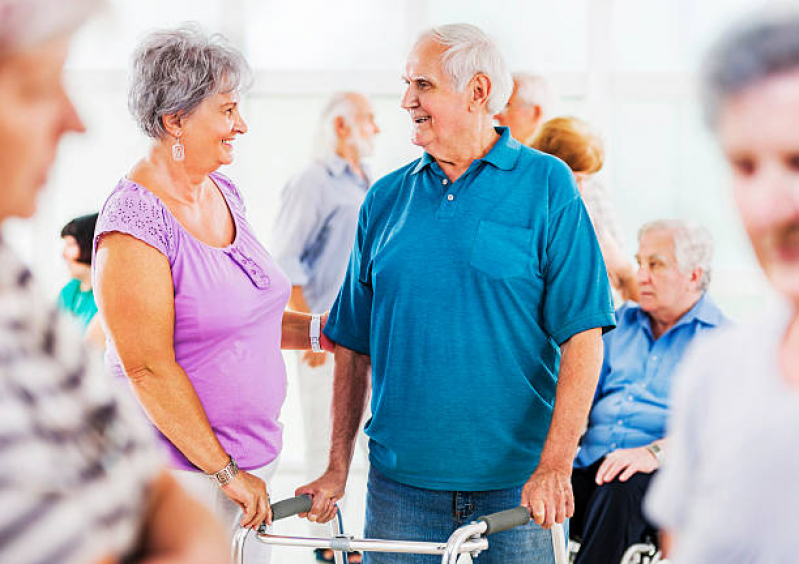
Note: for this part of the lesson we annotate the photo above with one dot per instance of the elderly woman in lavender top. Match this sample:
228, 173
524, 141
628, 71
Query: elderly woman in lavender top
192, 303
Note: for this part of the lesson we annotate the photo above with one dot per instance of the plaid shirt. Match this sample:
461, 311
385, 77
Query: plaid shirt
76, 458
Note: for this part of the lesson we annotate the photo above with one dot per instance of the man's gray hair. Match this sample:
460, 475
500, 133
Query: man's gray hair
468, 52
174, 70
25, 23
533, 90
749, 53
693, 245
339, 105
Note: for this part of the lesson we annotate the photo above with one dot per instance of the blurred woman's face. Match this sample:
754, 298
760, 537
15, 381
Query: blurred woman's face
759, 133
34, 113
71, 254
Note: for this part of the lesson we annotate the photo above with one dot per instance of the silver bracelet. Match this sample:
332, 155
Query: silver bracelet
315, 333
226, 474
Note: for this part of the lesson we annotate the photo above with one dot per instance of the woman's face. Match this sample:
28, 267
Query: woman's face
759, 133
208, 133
34, 113
71, 254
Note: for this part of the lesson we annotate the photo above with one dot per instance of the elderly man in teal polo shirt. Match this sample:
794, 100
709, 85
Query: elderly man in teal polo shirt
477, 293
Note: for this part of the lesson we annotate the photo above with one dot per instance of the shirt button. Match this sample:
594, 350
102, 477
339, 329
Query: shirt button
654, 357
621, 422
629, 398
450, 197
613, 445
445, 182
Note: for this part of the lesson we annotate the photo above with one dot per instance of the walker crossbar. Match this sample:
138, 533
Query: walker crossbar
468, 539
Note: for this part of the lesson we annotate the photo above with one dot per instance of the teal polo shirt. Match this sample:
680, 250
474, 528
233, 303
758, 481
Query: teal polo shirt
461, 293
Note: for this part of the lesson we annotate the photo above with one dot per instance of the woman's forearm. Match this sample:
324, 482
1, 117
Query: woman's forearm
173, 407
296, 331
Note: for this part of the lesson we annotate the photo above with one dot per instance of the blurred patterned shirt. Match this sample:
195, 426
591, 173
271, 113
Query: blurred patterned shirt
76, 459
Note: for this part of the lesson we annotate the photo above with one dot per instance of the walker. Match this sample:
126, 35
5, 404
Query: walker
468, 539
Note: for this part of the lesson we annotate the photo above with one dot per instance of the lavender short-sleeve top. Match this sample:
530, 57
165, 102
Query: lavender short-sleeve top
229, 304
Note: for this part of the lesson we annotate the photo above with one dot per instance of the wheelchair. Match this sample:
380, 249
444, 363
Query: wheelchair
645, 552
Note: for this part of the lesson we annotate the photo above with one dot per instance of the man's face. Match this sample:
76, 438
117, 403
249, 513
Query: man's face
363, 129
439, 114
759, 133
522, 119
665, 289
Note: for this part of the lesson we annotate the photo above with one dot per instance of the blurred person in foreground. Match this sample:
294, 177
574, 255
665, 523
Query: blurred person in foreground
528, 106
572, 140
729, 492
313, 234
83, 481
625, 443
477, 293
193, 304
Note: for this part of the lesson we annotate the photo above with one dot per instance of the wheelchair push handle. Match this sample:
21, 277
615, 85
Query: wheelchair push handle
504, 520
291, 506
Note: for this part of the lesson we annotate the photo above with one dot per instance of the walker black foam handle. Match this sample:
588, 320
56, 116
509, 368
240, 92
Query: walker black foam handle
504, 520
291, 506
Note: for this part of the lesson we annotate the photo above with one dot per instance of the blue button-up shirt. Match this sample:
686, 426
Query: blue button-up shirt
632, 400
315, 228
462, 292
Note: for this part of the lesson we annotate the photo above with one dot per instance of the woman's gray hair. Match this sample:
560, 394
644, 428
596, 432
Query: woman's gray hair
174, 70
693, 245
749, 53
339, 105
468, 52
24, 23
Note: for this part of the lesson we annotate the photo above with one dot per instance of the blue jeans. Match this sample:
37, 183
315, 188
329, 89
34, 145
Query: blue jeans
399, 512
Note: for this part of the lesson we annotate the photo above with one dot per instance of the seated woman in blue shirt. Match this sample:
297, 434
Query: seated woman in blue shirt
77, 297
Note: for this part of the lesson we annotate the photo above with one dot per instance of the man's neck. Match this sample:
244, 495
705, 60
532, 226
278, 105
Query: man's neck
662, 321
458, 161
350, 155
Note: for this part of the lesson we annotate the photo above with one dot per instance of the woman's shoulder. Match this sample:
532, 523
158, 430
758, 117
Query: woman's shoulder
134, 210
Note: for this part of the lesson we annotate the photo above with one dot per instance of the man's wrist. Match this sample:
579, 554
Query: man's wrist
656, 451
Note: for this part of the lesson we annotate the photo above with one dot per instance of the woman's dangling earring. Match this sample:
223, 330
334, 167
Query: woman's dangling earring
178, 150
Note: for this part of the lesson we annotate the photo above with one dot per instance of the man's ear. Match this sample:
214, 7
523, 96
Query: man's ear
696, 278
479, 90
173, 124
341, 127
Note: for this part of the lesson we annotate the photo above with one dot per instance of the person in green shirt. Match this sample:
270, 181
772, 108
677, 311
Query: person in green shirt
77, 296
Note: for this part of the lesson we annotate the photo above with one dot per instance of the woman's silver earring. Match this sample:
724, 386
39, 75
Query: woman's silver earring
178, 150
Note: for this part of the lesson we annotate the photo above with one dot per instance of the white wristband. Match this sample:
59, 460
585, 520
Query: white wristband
315, 334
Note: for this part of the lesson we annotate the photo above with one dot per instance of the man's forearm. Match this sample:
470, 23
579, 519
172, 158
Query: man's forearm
581, 361
350, 387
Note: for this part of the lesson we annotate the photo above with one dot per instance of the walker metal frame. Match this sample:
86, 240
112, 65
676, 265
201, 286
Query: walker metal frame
468, 539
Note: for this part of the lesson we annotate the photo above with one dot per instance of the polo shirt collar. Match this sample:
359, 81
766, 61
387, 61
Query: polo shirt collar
704, 311
503, 155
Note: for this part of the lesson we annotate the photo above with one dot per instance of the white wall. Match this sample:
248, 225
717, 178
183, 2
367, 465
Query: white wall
626, 65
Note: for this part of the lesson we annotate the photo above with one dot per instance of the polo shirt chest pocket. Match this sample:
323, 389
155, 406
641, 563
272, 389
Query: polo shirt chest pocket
503, 251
